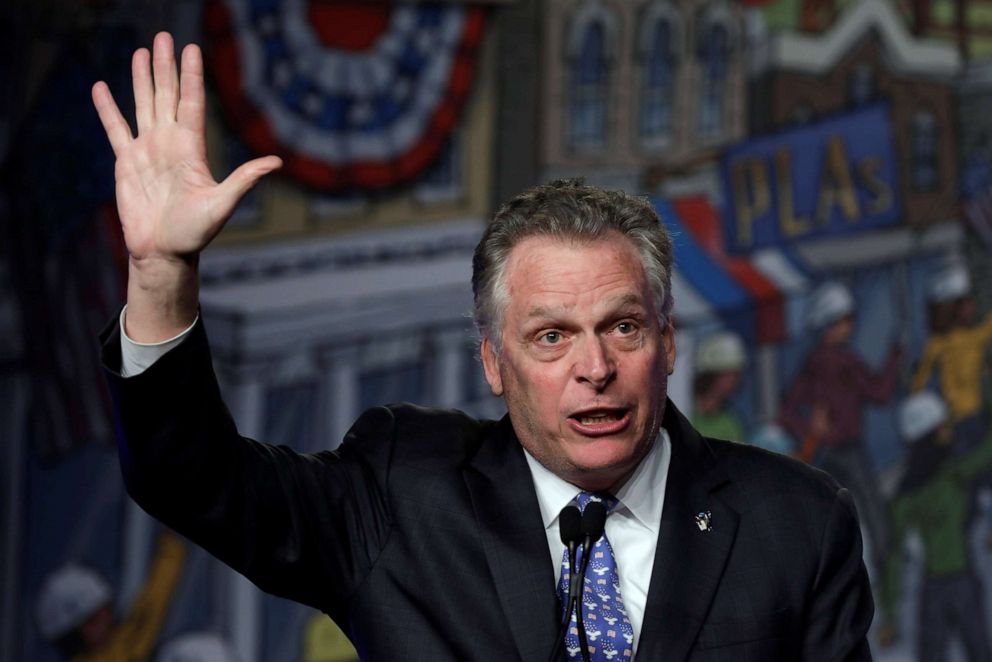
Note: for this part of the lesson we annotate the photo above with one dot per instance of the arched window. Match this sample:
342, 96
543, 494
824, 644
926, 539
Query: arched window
801, 113
923, 151
713, 47
589, 57
658, 55
861, 84
589, 85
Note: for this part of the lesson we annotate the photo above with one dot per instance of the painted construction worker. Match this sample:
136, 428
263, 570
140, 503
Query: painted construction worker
956, 352
824, 408
197, 647
720, 360
75, 610
934, 499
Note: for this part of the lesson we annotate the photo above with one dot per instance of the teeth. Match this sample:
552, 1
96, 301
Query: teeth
598, 418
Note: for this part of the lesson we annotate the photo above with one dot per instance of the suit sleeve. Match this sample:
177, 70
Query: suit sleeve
841, 606
304, 527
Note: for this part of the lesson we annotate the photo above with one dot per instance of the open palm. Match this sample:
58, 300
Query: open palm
169, 203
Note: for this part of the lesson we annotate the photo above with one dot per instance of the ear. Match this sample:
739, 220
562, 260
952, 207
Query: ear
668, 342
491, 366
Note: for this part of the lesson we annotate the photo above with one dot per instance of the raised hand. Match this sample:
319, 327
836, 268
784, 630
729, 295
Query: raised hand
170, 205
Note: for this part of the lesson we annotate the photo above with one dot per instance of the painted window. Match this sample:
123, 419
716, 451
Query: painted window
396, 369
923, 149
861, 86
404, 382
713, 40
589, 86
658, 54
289, 415
801, 113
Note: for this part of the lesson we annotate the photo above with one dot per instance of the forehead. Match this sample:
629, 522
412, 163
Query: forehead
549, 271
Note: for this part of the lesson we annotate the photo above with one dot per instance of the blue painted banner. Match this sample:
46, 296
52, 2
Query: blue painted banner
835, 177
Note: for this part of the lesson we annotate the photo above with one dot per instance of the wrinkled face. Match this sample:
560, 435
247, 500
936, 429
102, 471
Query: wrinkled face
584, 363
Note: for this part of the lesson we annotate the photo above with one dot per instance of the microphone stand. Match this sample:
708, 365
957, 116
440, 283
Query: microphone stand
570, 531
583, 641
593, 523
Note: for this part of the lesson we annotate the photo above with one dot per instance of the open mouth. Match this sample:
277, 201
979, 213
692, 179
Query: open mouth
596, 422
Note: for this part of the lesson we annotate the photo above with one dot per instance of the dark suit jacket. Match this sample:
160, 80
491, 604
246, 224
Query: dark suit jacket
422, 537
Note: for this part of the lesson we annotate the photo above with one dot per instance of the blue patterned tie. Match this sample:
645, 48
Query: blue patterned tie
609, 633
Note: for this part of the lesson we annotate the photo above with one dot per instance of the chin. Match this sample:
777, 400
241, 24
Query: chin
602, 467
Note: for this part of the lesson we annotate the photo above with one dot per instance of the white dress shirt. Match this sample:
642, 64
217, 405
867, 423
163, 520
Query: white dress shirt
136, 357
632, 527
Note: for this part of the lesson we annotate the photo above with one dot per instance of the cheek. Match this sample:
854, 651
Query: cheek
541, 391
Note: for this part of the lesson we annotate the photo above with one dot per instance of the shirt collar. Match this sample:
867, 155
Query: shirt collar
642, 495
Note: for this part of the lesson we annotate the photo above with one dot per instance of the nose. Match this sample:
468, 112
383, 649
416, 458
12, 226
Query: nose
595, 365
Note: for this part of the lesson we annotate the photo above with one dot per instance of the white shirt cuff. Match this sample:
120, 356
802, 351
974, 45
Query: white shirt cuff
136, 357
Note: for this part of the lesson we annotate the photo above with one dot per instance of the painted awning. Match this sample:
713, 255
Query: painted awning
756, 295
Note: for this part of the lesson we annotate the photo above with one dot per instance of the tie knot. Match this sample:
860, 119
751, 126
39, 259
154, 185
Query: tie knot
608, 500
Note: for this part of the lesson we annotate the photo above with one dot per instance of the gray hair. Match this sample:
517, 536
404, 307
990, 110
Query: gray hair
568, 210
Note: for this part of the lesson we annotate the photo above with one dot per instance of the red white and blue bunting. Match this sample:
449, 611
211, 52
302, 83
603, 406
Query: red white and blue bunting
352, 95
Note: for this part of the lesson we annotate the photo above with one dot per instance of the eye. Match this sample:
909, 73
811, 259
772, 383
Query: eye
550, 337
625, 328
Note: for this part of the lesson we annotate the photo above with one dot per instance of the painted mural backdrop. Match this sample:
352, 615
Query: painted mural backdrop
825, 168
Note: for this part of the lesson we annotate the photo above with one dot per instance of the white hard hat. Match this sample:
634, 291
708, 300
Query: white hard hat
952, 282
197, 647
920, 414
723, 350
68, 597
772, 437
830, 302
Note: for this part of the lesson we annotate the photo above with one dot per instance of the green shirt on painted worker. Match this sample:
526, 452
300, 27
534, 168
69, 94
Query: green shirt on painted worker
938, 509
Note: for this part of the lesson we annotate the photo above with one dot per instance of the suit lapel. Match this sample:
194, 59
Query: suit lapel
689, 562
515, 541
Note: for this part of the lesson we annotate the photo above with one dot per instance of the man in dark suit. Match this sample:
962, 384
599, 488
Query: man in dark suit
431, 535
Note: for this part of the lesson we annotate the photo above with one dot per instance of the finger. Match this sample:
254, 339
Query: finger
166, 79
239, 182
192, 99
144, 91
118, 132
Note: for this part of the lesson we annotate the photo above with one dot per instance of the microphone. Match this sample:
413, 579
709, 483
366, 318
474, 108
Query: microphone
570, 530
593, 521
592, 526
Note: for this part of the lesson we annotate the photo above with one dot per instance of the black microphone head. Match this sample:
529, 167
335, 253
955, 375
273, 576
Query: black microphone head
593, 520
569, 526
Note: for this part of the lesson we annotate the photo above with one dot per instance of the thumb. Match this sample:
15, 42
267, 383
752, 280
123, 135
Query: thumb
238, 183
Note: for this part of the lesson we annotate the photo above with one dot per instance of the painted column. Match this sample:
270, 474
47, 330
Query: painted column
766, 364
339, 393
451, 354
138, 528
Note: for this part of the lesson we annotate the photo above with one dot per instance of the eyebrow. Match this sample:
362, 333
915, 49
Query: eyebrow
624, 300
